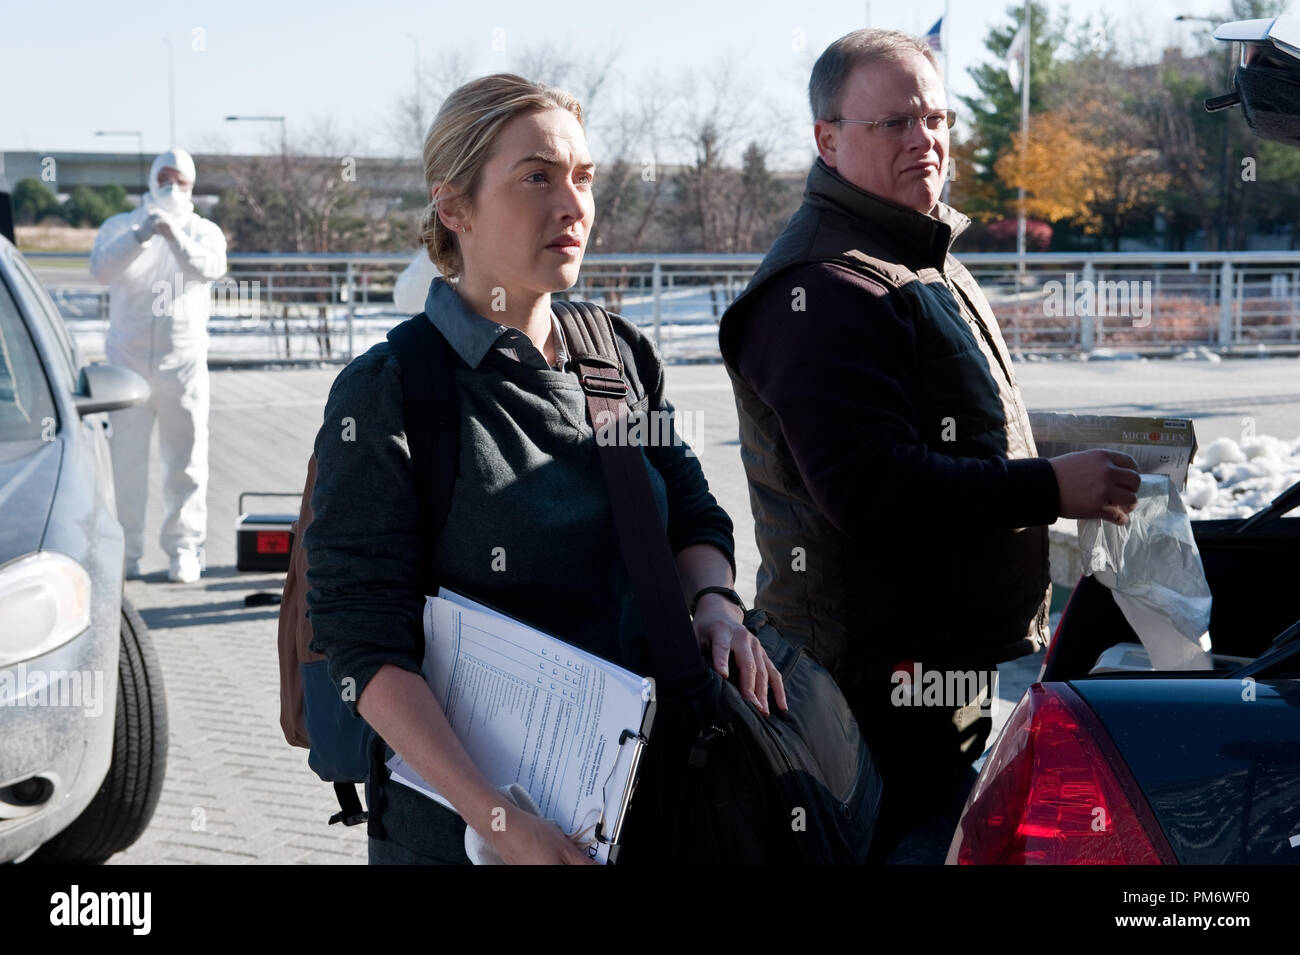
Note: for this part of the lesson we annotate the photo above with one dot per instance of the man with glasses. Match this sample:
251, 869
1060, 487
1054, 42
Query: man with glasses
899, 501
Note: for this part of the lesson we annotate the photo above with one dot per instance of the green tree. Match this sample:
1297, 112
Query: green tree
993, 116
1209, 189
755, 221
33, 201
1105, 102
1269, 194
699, 210
1272, 199
115, 199
90, 207
85, 207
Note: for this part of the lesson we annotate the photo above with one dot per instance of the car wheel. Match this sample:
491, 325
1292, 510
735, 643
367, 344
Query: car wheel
126, 801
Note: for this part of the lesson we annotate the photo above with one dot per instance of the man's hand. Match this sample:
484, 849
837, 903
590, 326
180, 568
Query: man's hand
1097, 483
526, 839
722, 634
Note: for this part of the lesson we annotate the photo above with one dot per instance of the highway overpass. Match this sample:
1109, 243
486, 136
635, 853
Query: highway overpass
62, 171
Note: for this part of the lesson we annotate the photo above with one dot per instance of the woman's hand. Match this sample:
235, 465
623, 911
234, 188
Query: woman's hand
526, 839
402, 709
720, 630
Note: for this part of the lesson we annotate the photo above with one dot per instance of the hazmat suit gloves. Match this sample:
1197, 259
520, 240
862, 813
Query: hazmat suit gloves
116, 245
158, 217
147, 226
144, 229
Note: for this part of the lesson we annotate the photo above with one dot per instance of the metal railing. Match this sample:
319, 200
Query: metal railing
328, 308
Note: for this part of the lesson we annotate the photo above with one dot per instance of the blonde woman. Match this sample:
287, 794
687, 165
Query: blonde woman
507, 166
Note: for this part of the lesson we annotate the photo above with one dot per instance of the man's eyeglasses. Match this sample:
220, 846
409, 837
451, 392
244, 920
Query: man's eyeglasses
896, 127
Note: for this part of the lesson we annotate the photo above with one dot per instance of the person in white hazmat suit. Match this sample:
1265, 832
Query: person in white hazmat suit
159, 262
412, 286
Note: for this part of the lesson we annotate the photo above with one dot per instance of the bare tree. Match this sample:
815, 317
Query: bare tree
714, 115
629, 177
413, 114
308, 198
585, 73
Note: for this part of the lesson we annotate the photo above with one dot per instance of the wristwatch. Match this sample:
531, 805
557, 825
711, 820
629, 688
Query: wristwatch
725, 592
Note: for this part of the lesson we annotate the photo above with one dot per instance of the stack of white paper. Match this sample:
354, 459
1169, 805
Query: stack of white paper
532, 709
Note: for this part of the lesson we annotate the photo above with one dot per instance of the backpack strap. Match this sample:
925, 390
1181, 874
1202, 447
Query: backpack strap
350, 812
589, 334
679, 666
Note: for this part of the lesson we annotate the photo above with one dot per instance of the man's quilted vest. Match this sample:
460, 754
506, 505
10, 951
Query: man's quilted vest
945, 600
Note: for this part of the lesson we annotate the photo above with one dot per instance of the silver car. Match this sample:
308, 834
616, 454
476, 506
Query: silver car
83, 724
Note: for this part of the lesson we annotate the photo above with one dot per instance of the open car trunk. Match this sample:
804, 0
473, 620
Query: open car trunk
1252, 567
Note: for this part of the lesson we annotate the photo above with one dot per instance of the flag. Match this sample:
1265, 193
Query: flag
934, 37
1015, 56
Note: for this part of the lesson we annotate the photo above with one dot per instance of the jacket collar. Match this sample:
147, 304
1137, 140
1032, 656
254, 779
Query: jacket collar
929, 236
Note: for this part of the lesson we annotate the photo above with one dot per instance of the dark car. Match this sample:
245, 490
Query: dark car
1106, 760
83, 725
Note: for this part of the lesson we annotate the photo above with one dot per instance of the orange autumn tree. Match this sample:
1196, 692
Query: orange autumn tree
1086, 165
974, 195
1058, 168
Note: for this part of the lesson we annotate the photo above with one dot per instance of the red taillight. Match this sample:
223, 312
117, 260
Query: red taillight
1055, 791
273, 542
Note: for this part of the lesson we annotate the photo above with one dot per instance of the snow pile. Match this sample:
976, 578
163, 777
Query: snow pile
1228, 480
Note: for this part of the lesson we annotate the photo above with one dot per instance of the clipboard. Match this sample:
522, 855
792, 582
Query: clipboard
532, 709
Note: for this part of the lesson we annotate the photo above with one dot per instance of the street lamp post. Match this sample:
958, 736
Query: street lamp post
171, 93
139, 148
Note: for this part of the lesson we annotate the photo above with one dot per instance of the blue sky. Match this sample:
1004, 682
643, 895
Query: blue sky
83, 66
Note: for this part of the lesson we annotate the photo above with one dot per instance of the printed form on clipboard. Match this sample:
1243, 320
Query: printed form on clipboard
529, 708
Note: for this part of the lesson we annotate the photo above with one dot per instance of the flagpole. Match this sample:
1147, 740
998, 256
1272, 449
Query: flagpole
1024, 139
943, 27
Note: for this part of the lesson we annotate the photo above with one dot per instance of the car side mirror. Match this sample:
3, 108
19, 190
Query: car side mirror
1266, 83
6, 210
102, 387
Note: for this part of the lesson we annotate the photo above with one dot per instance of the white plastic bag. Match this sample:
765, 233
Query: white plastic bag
1153, 568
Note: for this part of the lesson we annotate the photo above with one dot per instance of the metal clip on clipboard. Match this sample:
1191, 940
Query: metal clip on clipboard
639, 741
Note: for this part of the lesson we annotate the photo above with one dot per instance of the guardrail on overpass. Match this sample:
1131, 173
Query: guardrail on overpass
313, 308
